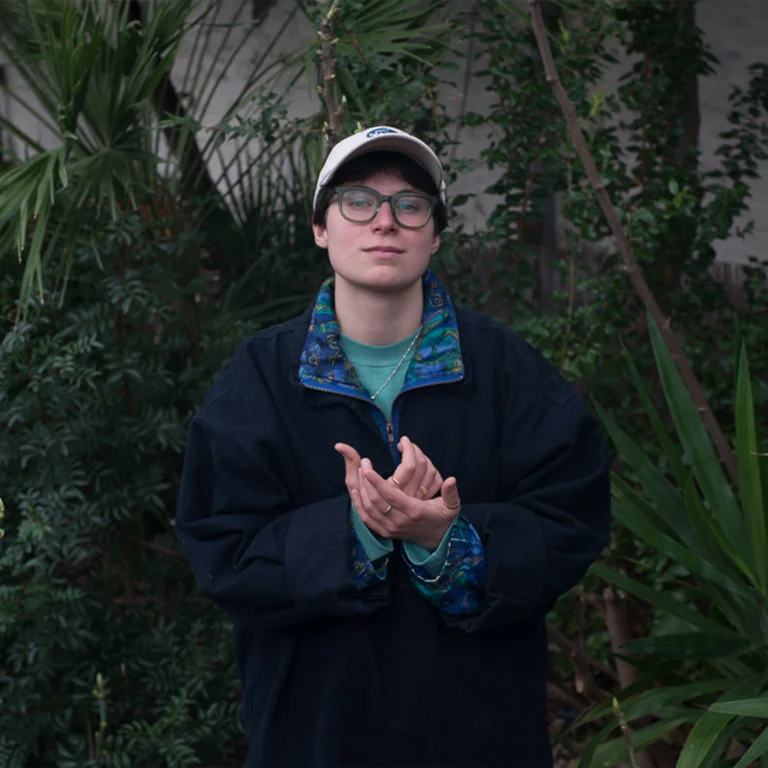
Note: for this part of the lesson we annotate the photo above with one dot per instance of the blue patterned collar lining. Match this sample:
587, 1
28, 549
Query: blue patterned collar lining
437, 359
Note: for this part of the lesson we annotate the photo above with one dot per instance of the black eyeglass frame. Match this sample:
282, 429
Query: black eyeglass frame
381, 199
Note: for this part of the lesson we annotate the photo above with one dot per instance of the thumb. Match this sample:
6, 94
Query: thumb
449, 493
348, 452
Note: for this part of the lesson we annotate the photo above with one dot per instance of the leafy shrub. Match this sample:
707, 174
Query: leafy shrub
712, 621
110, 655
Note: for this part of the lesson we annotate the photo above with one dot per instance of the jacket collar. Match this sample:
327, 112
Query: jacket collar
437, 359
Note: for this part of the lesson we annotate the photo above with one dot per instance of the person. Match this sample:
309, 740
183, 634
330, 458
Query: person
387, 494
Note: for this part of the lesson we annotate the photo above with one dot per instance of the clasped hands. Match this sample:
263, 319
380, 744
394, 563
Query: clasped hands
406, 506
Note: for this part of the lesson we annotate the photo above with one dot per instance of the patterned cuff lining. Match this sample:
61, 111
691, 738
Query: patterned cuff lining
366, 573
459, 587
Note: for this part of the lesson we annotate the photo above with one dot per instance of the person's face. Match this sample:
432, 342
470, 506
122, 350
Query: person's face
380, 254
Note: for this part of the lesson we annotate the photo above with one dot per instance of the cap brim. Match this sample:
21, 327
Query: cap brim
402, 143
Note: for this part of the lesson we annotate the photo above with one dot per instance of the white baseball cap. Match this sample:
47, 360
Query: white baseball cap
378, 138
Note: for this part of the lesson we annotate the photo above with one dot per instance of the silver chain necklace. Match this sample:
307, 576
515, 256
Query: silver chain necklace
402, 359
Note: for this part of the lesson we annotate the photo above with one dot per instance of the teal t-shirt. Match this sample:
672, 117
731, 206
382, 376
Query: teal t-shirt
373, 365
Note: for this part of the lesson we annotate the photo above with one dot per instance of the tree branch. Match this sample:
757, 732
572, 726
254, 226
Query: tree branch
630, 263
571, 699
617, 622
332, 131
158, 548
593, 600
565, 644
89, 736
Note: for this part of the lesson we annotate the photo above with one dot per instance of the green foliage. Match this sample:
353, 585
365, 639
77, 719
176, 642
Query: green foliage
673, 212
75, 59
97, 384
721, 606
102, 87
95, 397
386, 60
643, 139
110, 654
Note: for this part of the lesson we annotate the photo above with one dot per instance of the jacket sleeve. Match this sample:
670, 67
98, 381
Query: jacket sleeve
370, 557
255, 558
555, 521
372, 548
455, 583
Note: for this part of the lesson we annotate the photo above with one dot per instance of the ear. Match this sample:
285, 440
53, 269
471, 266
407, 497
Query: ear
321, 235
435, 243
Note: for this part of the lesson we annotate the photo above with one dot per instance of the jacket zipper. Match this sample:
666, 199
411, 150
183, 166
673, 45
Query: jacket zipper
334, 392
390, 425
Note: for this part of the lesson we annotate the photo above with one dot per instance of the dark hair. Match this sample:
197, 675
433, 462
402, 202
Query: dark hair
366, 165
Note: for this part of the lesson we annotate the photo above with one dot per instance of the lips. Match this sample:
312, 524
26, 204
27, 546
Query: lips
383, 249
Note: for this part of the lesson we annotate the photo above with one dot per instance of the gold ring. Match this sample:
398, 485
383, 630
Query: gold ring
395, 480
423, 490
387, 510
453, 509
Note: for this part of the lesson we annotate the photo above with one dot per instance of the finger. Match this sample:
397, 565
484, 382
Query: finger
351, 462
348, 452
389, 494
394, 521
422, 465
383, 489
405, 469
431, 483
449, 495
370, 521
374, 504
375, 508
378, 503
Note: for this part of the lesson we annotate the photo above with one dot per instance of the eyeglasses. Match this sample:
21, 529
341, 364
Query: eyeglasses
362, 204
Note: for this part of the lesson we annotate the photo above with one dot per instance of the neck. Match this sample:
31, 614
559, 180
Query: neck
377, 318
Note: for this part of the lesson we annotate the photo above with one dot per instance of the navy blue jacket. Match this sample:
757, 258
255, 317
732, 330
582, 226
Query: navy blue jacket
336, 673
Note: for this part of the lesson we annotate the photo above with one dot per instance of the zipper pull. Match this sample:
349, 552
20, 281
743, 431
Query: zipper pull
391, 436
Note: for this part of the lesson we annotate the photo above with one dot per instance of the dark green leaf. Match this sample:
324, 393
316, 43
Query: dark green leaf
659, 599
758, 749
744, 708
698, 446
750, 481
693, 645
614, 752
705, 733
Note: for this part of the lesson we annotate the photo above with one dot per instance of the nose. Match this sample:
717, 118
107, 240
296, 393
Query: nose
385, 219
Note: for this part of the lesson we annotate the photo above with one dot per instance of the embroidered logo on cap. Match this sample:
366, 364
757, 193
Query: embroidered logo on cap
379, 131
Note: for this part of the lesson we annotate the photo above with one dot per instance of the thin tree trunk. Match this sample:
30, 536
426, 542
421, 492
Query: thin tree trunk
329, 9
630, 262
617, 622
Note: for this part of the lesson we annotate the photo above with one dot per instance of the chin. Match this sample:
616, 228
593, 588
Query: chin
387, 280
390, 277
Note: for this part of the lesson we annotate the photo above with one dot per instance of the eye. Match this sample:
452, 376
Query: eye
412, 205
358, 201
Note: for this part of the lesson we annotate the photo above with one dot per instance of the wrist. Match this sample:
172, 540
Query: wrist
432, 540
430, 544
